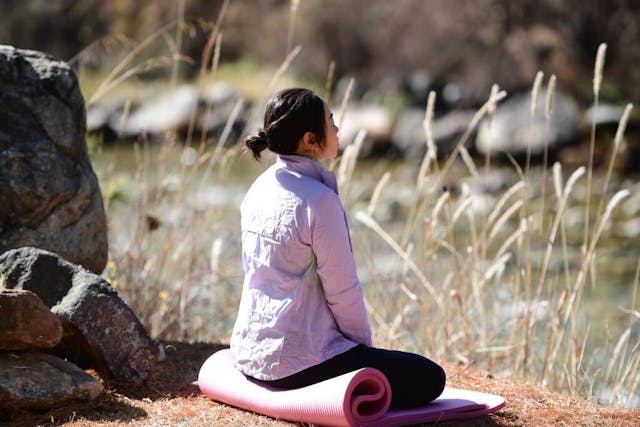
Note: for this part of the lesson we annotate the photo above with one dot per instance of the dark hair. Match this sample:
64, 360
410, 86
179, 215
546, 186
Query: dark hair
289, 115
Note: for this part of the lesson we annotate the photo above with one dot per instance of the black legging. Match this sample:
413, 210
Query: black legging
414, 380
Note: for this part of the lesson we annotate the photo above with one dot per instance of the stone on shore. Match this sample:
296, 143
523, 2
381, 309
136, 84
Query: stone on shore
514, 130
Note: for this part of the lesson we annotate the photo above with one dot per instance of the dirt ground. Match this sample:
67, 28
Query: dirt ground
170, 398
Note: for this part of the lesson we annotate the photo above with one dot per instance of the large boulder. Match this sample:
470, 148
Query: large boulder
38, 381
100, 329
26, 322
49, 193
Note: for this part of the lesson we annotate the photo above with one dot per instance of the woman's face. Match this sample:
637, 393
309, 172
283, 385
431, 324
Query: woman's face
330, 149
309, 146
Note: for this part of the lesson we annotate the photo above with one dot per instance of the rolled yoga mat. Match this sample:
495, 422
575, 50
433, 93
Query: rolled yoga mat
358, 398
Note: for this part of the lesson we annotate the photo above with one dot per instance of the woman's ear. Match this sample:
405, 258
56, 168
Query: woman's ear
310, 139
308, 144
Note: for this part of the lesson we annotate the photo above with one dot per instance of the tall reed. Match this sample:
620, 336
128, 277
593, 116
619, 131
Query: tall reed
597, 83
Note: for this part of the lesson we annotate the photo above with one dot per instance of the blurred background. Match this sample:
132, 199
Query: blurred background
471, 43
387, 54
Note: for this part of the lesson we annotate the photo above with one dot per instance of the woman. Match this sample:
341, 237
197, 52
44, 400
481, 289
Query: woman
302, 317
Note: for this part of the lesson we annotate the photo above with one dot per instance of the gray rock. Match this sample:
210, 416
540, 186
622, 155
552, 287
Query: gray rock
27, 324
38, 381
513, 129
100, 330
604, 114
170, 111
101, 327
217, 93
375, 120
39, 271
449, 128
49, 193
408, 134
219, 100
101, 116
410, 138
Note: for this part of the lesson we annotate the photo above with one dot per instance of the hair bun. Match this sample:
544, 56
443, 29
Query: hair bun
257, 143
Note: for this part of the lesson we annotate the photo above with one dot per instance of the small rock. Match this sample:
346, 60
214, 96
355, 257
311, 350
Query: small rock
42, 381
27, 324
42, 272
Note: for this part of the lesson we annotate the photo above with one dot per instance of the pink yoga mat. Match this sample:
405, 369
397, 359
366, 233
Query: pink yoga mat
359, 398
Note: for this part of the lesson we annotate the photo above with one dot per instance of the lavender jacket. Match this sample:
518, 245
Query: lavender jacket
301, 301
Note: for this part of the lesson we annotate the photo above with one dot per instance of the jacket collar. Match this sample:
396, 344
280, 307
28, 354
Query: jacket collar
308, 167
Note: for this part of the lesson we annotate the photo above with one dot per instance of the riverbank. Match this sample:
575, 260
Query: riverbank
170, 397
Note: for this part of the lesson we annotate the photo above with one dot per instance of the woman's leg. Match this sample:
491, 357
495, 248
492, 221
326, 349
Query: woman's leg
345, 362
414, 380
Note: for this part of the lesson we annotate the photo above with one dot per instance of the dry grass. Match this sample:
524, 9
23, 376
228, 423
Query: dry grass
484, 277
463, 267
171, 399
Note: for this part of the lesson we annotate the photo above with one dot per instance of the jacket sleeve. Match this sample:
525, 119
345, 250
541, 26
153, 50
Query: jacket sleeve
336, 267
